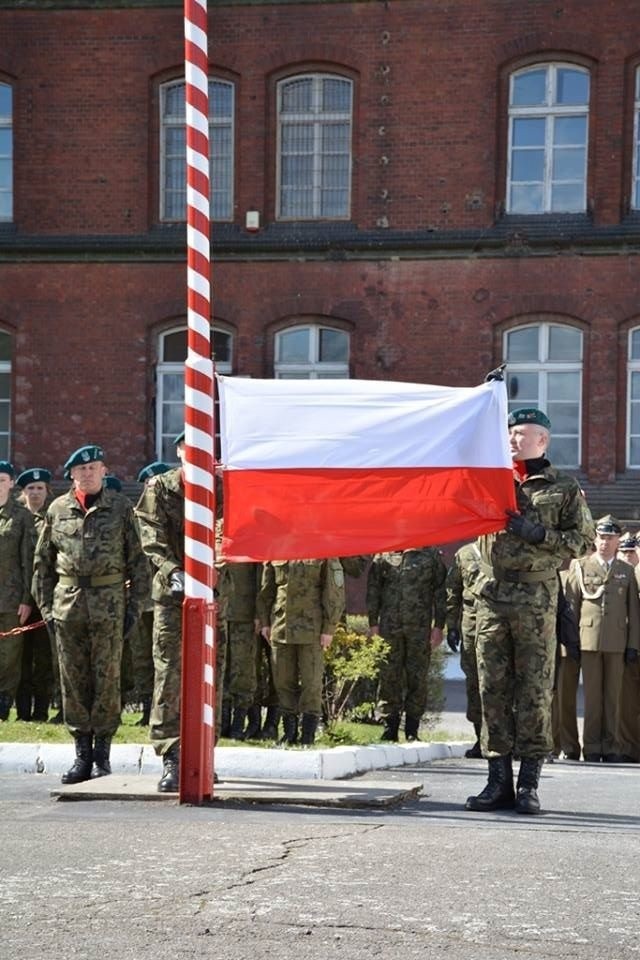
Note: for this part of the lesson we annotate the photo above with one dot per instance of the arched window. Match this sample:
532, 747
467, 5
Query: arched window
633, 399
173, 137
548, 136
5, 395
6, 152
314, 147
544, 369
172, 354
635, 173
312, 353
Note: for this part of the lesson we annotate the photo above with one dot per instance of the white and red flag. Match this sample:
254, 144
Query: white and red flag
325, 468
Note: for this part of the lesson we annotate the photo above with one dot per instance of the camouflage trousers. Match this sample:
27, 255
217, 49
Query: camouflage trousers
10, 656
403, 680
164, 725
469, 666
298, 669
36, 677
266, 694
89, 654
240, 671
137, 659
515, 651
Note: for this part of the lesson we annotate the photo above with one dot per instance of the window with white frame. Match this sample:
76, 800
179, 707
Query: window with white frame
6, 152
548, 137
172, 353
311, 353
314, 147
635, 178
5, 395
544, 370
173, 138
633, 399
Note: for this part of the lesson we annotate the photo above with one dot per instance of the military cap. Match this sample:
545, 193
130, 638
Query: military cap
112, 483
34, 475
6, 467
179, 438
529, 415
608, 524
87, 454
152, 470
627, 542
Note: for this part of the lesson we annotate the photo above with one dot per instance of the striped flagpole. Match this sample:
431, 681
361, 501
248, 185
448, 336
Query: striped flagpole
198, 648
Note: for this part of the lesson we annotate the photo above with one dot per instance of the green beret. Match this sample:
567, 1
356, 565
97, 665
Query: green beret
608, 524
529, 415
627, 542
34, 475
152, 470
88, 454
112, 483
179, 438
6, 467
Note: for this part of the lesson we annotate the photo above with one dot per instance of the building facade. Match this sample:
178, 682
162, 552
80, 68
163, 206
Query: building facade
409, 190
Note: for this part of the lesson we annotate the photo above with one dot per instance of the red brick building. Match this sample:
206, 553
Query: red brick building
439, 186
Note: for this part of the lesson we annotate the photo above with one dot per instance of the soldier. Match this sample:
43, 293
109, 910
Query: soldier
406, 603
160, 513
299, 607
87, 550
461, 626
629, 730
516, 593
603, 593
238, 584
565, 692
37, 676
17, 539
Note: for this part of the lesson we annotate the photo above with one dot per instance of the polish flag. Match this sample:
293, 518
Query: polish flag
326, 468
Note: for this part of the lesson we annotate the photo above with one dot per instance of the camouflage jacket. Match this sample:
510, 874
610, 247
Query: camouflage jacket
17, 540
104, 541
300, 599
555, 500
238, 585
406, 590
160, 514
460, 577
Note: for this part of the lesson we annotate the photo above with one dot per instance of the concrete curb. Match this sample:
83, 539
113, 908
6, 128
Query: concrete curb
276, 763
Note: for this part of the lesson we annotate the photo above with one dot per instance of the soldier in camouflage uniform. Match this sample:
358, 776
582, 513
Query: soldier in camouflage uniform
238, 584
17, 539
37, 675
461, 627
517, 592
406, 604
299, 607
88, 549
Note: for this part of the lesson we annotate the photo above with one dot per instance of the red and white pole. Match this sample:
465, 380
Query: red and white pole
199, 626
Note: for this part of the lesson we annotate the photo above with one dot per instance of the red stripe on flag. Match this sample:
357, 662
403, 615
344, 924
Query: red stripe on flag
298, 514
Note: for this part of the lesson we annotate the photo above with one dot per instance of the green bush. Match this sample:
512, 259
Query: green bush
352, 664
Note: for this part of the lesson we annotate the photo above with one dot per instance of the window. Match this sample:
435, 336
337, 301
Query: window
635, 179
5, 396
6, 152
172, 354
173, 140
312, 353
314, 147
633, 400
544, 369
548, 128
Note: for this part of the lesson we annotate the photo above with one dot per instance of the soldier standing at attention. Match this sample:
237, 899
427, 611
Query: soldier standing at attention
88, 549
299, 607
603, 593
238, 585
406, 604
517, 593
17, 540
461, 628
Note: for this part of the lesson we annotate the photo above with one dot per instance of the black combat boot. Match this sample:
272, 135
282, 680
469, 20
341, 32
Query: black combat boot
474, 752
81, 769
40, 710
527, 786
309, 727
23, 706
101, 763
236, 731
146, 713
270, 725
225, 720
5, 705
254, 725
411, 727
498, 793
290, 725
58, 718
170, 780
391, 728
